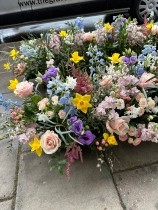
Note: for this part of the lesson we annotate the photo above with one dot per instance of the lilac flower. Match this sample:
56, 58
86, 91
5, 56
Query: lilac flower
133, 59
72, 120
52, 72
87, 138
126, 60
77, 127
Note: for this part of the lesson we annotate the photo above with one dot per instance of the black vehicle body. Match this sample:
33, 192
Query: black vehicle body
26, 11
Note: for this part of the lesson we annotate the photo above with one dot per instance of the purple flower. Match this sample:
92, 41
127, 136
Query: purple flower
52, 72
77, 127
133, 59
87, 138
72, 120
126, 60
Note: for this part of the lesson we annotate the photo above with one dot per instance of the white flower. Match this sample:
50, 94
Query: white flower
54, 100
70, 83
42, 117
39, 80
62, 114
50, 63
49, 114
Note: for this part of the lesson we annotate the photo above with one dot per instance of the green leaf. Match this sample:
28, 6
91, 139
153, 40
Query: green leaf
35, 99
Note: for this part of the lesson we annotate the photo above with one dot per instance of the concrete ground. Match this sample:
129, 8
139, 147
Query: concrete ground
27, 184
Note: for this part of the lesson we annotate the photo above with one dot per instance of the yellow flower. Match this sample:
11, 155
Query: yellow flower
115, 58
108, 27
63, 34
36, 146
13, 53
149, 25
112, 140
75, 57
82, 102
13, 84
105, 135
6, 66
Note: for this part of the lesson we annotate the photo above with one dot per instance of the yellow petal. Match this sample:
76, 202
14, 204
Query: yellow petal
39, 151
87, 97
105, 135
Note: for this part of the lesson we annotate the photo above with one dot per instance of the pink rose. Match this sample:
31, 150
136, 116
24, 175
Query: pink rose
146, 81
61, 114
24, 89
106, 82
118, 126
123, 138
143, 103
50, 142
151, 103
87, 37
43, 103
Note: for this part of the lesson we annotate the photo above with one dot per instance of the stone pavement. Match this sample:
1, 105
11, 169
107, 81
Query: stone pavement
27, 184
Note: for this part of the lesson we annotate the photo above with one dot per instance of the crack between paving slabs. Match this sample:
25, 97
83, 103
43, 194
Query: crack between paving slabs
16, 178
136, 167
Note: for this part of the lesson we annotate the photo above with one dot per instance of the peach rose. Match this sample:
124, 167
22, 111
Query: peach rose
87, 36
137, 141
43, 103
61, 114
141, 111
143, 103
154, 30
118, 126
106, 82
151, 103
50, 142
146, 81
24, 89
139, 96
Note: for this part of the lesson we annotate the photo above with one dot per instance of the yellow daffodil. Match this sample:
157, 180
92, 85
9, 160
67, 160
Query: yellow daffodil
105, 135
14, 53
63, 34
149, 25
75, 57
108, 27
115, 58
6, 66
13, 84
36, 146
112, 140
82, 102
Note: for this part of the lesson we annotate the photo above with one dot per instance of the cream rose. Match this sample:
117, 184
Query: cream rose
143, 103
106, 82
154, 30
43, 103
50, 142
118, 126
24, 89
151, 103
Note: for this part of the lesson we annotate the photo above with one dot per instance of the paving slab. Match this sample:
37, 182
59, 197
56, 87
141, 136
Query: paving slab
4, 81
41, 189
8, 160
127, 156
6, 205
139, 188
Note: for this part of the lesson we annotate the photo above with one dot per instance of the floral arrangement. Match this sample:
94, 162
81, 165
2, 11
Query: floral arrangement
85, 89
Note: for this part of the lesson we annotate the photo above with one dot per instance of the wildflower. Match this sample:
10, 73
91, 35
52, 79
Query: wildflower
82, 102
115, 58
149, 25
112, 140
6, 66
62, 33
105, 135
36, 146
108, 27
75, 57
13, 84
13, 53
